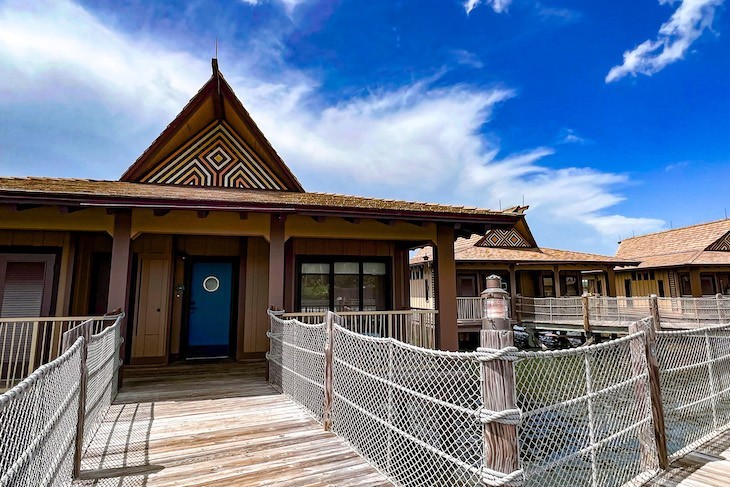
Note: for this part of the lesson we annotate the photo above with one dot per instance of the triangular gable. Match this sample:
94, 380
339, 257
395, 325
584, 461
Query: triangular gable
213, 142
720, 245
503, 238
215, 157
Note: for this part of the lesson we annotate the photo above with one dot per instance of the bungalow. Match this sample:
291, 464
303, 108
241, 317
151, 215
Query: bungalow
513, 255
209, 228
692, 261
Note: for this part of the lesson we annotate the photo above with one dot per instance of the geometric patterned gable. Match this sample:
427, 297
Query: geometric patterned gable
722, 244
503, 238
216, 157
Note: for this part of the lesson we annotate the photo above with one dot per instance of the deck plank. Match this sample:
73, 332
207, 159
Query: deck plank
706, 466
215, 425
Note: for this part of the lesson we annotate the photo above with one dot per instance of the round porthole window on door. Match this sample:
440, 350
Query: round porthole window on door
211, 284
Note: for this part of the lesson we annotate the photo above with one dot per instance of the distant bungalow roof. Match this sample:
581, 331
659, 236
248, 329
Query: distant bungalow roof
475, 249
701, 244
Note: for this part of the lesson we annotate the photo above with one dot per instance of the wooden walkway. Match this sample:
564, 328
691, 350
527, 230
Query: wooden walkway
215, 425
706, 466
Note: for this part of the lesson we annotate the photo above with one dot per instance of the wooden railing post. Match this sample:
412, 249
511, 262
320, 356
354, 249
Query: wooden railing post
328, 365
85, 333
655, 392
586, 317
654, 309
500, 448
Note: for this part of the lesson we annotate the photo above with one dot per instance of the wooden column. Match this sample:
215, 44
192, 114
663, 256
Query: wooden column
447, 332
513, 291
655, 392
556, 282
654, 309
610, 282
119, 276
695, 282
500, 448
276, 261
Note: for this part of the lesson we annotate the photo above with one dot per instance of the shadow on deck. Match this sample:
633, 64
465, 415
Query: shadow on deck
706, 465
214, 424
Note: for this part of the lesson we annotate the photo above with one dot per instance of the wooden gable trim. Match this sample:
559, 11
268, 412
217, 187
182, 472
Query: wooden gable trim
722, 244
217, 89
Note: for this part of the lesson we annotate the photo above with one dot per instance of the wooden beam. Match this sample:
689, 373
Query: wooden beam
242, 215
319, 219
354, 221
203, 213
24, 207
66, 210
160, 212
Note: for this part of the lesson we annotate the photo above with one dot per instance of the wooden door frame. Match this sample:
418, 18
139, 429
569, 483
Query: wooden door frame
49, 276
134, 292
190, 261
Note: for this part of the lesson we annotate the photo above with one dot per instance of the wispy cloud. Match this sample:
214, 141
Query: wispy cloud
560, 14
422, 141
685, 26
499, 6
570, 136
676, 166
467, 58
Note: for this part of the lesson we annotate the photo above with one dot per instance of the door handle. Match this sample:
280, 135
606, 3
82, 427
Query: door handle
158, 310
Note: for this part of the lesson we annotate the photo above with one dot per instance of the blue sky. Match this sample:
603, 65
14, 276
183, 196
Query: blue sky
608, 118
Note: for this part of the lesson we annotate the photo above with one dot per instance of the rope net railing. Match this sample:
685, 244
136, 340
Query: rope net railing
582, 416
38, 419
296, 362
586, 415
695, 384
49, 418
412, 412
102, 365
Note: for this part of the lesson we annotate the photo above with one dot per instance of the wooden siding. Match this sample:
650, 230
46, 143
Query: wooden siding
645, 287
48, 218
256, 298
219, 223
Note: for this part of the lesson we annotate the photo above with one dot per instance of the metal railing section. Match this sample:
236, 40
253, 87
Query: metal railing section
414, 326
26, 343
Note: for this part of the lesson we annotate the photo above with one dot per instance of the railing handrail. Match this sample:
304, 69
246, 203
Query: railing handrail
56, 319
364, 313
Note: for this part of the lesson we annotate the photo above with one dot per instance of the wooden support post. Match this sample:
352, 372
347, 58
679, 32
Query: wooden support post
328, 364
447, 331
119, 275
610, 282
655, 392
85, 330
654, 309
586, 317
500, 447
695, 282
277, 256
513, 291
556, 282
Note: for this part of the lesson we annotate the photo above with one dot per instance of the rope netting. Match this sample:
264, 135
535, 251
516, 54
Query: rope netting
695, 382
416, 414
586, 415
412, 412
38, 420
296, 362
102, 365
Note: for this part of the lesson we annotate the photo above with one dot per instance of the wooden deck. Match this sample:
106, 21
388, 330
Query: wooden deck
706, 466
215, 425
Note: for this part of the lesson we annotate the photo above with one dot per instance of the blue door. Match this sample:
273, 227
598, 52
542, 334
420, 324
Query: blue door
209, 324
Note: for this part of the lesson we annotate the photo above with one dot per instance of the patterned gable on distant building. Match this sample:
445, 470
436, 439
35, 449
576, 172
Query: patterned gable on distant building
216, 157
721, 245
503, 238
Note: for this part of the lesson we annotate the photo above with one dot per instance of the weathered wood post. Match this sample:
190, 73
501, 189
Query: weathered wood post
328, 365
500, 447
586, 317
654, 309
655, 392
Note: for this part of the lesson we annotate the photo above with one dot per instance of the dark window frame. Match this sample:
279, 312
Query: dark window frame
331, 260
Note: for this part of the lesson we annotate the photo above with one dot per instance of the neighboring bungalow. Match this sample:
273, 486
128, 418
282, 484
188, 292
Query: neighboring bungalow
513, 255
688, 261
205, 231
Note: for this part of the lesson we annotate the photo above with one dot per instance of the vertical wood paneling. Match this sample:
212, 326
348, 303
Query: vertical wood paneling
256, 321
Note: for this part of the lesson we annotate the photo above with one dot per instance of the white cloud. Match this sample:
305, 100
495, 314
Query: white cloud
675, 37
419, 141
289, 5
498, 6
